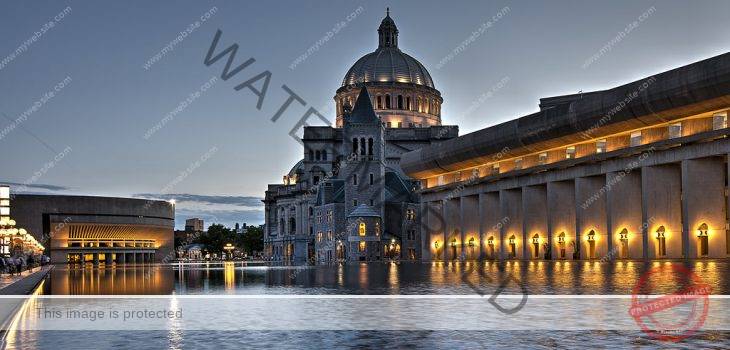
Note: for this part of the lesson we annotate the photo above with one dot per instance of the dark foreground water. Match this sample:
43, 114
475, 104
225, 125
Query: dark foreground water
377, 278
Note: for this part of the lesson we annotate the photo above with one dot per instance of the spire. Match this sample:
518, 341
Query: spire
363, 111
387, 32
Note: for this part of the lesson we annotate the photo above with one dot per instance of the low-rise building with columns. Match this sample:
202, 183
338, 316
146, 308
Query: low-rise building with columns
639, 171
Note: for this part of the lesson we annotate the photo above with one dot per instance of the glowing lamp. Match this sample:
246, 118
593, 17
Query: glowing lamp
471, 242
436, 244
660, 232
702, 230
624, 235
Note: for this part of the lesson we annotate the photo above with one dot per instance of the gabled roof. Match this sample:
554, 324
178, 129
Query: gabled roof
363, 210
363, 112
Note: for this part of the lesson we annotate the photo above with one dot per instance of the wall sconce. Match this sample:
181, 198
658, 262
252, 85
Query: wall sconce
624, 235
591, 236
490, 241
536, 240
471, 242
561, 237
702, 230
436, 244
511, 240
660, 232
453, 242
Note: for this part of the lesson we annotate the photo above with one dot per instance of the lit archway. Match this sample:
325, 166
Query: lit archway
561, 245
623, 238
591, 237
703, 238
512, 247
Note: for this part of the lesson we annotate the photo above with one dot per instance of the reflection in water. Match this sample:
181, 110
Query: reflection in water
539, 277
137, 279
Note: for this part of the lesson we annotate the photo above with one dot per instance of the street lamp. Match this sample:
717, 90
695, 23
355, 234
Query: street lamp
229, 248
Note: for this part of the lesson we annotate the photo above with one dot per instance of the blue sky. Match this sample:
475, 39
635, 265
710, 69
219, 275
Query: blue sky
217, 153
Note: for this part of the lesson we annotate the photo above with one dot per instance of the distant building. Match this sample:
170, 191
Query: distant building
194, 225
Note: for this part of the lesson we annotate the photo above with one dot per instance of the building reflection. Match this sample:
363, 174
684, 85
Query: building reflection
126, 280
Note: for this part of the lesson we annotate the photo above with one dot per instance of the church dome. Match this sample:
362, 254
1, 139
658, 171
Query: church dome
388, 63
401, 89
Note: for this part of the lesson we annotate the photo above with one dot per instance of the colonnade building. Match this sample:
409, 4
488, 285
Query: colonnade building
639, 171
99, 230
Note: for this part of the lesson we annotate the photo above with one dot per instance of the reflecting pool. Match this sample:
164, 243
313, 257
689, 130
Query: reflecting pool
438, 278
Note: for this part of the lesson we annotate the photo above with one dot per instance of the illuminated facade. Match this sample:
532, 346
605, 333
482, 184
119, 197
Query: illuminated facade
639, 171
348, 198
99, 230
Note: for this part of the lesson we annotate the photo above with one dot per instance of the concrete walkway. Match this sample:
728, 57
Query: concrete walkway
23, 283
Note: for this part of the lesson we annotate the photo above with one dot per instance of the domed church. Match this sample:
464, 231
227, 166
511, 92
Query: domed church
348, 199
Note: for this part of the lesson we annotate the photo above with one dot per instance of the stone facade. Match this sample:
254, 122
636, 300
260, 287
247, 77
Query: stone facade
350, 174
639, 171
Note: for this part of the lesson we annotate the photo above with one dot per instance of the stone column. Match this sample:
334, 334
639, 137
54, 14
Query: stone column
623, 211
661, 206
470, 226
703, 202
491, 223
590, 210
561, 216
510, 202
534, 207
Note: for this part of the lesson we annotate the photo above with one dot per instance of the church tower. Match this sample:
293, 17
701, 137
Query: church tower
364, 175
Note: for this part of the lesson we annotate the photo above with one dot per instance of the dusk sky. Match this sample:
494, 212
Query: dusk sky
217, 154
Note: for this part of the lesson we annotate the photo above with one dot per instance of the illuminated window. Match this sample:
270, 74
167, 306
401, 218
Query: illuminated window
4, 192
495, 169
542, 158
400, 124
570, 152
675, 130
518, 163
719, 121
361, 229
389, 125
377, 229
361, 246
601, 146
410, 214
635, 138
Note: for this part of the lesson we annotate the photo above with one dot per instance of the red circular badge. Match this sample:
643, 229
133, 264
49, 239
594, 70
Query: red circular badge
671, 317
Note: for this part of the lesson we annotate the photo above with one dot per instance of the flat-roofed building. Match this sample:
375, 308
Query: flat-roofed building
639, 171
98, 229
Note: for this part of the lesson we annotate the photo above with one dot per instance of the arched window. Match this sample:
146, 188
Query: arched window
418, 104
370, 146
324, 155
282, 226
380, 103
318, 155
311, 154
400, 101
387, 101
362, 146
354, 145
408, 103
362, 229
292, 225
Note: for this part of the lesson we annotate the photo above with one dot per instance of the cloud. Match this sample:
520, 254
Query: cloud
197, 198
29, 188
226, 210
